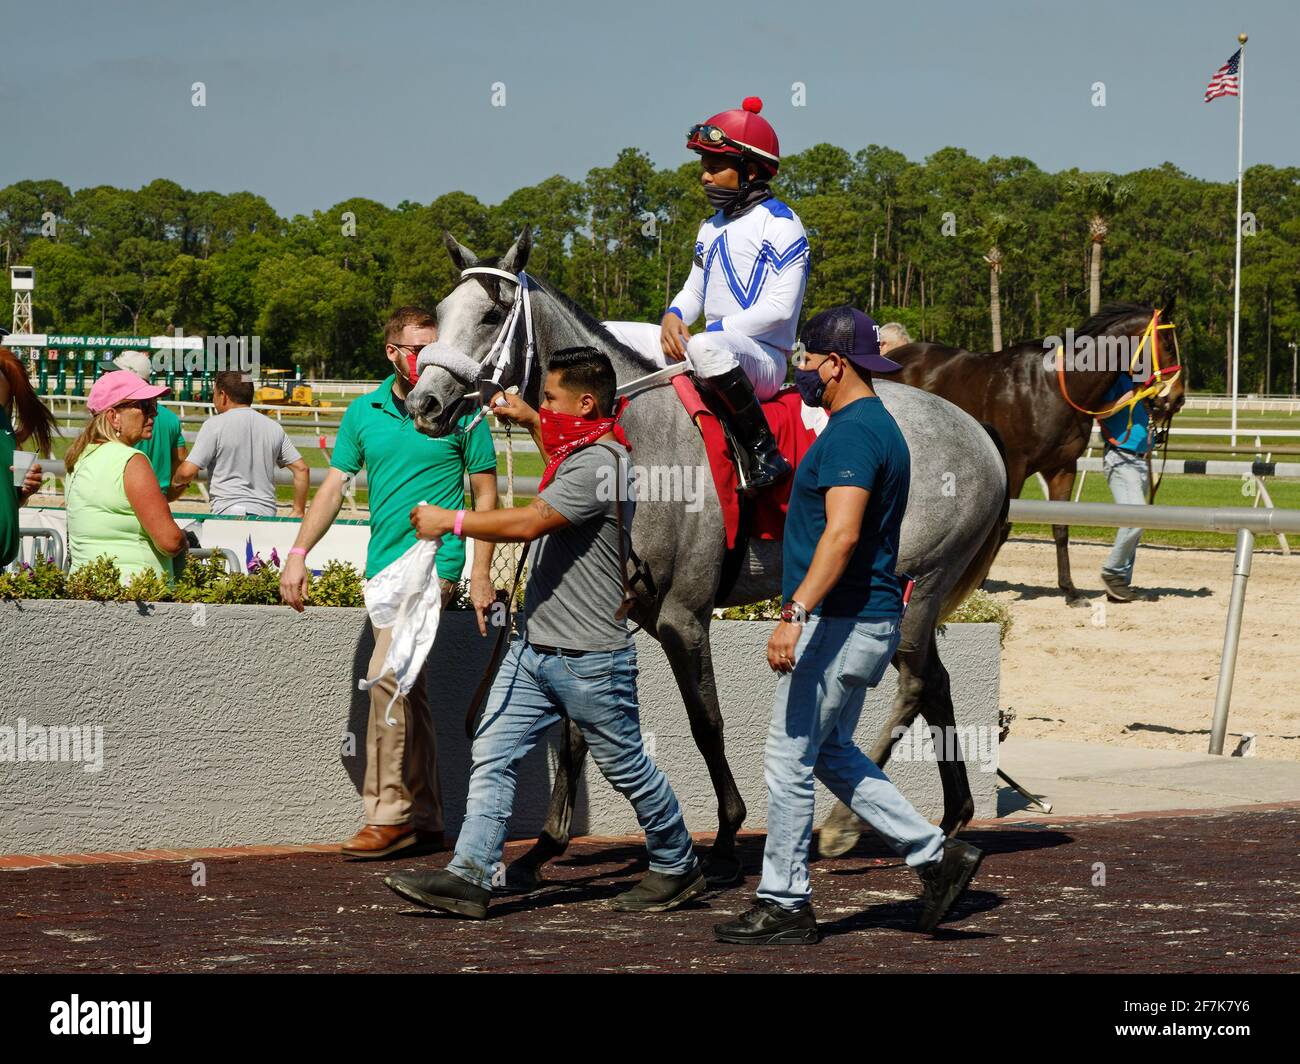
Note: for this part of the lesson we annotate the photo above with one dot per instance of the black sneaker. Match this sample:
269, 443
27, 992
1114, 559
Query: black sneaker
944, 881
660, 893
444, 891
1116, 589
767, 924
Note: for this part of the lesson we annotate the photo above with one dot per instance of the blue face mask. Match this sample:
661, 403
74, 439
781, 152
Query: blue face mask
811, 386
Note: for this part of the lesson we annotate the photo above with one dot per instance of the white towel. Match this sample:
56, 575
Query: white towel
405, 596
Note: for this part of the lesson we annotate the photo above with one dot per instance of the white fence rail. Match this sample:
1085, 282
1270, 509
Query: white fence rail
1244, 521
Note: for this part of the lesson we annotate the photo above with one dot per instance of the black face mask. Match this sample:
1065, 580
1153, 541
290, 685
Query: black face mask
721, 199
733, 202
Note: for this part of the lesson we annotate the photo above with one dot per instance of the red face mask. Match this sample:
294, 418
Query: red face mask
411, 372
562, 434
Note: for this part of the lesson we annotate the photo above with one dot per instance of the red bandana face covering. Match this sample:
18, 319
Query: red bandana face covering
562, 434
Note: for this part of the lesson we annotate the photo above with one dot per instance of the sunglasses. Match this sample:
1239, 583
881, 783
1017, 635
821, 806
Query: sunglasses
710, 137
148, 407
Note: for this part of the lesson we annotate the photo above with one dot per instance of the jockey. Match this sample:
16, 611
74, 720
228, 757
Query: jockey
748, 277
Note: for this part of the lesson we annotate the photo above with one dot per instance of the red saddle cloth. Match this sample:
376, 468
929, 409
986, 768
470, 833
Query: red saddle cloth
785, 415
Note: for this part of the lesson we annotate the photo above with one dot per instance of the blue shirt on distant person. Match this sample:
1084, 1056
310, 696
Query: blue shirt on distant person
1135, 438
862, 447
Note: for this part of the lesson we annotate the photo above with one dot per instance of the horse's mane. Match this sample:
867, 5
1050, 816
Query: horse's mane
1110, 315
593, 324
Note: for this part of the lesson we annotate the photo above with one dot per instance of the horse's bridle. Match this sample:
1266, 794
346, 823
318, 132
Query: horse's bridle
1155, 385
501, 346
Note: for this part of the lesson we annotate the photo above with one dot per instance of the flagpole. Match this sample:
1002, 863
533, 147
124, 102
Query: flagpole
1236, 278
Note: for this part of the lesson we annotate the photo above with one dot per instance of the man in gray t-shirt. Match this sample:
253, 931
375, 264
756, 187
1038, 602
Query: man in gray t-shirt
574, 582
241, 449
573, 658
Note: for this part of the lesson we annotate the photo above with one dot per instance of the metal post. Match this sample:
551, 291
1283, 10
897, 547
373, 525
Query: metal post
1228, 663
1236, 276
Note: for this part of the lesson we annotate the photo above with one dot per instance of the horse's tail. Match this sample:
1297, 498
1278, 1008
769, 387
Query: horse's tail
980, 565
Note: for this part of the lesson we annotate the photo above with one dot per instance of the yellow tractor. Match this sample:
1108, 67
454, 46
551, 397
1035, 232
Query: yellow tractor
278, 390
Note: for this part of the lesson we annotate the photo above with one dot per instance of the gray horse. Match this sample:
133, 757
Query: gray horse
952, 529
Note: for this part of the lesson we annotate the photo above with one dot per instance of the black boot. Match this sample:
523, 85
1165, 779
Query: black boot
759, 459
442, 890
660, 893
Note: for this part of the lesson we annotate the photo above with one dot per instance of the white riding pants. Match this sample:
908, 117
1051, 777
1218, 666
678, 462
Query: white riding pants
712, 354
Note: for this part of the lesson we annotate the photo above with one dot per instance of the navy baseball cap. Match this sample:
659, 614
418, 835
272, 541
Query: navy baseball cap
849, 333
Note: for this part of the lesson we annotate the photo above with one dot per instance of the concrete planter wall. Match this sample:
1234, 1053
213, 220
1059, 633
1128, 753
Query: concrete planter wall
222, 726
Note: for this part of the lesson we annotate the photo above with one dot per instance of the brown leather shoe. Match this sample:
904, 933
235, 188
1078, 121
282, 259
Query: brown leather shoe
379, 840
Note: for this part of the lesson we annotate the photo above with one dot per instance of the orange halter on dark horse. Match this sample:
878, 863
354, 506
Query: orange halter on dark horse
1153, 385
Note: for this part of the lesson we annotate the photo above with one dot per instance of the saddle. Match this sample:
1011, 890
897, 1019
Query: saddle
763, 516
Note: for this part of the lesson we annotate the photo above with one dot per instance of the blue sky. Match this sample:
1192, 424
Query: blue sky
311, 103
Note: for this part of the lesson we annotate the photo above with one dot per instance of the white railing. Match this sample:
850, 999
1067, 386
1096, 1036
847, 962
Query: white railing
1244, 521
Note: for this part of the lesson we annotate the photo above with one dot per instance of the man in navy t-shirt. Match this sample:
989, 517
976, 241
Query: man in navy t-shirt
840, 626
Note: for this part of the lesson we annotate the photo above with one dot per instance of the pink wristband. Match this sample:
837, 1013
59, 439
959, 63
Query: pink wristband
460, 520
298, 550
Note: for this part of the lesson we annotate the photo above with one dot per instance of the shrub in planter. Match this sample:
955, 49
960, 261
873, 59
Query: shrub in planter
979, 608
201, 580
44, 580
99, 581
337, 585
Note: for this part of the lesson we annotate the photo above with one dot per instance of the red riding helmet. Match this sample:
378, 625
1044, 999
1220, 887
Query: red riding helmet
741, 132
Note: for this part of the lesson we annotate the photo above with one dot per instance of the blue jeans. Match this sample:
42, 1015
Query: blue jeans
598, 693
817, 708
1126, 474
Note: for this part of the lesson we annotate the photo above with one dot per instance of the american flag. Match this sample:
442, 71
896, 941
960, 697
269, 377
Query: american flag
1224, 82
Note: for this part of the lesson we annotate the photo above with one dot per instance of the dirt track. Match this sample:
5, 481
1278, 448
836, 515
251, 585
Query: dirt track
1147, 675
1211, 893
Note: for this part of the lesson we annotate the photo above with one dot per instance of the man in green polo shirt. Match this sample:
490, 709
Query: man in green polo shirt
166, 448
403, 799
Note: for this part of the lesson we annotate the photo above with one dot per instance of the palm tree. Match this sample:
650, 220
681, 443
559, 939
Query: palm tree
995, 232
1101, 196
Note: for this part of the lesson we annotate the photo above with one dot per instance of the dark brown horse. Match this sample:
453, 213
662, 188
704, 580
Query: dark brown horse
1019, 392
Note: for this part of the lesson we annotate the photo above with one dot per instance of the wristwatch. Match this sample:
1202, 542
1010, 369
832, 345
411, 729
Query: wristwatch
794, 612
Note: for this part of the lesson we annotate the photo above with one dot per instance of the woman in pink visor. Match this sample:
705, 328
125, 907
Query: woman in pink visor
115, 506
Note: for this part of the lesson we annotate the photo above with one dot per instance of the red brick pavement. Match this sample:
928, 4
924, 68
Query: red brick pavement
1210, 892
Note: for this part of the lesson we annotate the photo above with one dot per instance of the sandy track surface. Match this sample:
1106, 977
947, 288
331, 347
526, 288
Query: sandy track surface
1145, 673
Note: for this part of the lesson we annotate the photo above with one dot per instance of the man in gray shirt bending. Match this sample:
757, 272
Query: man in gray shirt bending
574, 656
241, 449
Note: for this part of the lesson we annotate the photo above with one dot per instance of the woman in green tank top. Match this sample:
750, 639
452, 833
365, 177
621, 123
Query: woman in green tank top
33, 421
115, 504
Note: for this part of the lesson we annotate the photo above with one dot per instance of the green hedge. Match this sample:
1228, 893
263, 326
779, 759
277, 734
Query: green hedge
979, 608
208, 580
338, 584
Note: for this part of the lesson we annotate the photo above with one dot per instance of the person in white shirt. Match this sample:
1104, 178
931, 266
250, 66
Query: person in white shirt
748, 279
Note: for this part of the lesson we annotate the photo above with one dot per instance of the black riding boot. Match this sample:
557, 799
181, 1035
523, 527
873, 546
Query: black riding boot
760, 461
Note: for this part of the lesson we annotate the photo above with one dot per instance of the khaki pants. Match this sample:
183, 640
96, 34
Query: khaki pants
401, 783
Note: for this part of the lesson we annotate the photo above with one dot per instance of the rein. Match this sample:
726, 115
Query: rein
1154, 385
503, 344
